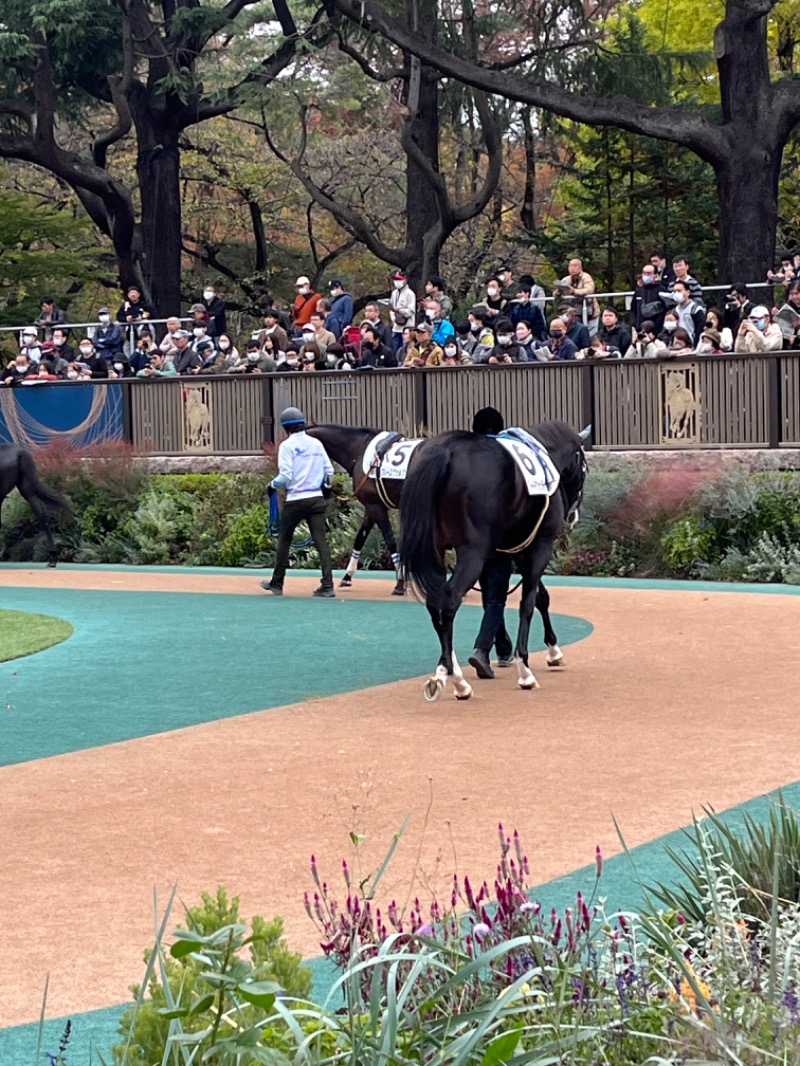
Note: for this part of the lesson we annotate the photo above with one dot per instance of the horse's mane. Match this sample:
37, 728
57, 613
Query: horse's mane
554, 434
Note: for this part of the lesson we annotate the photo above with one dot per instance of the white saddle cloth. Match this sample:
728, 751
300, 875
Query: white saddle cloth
394, 464
535, 465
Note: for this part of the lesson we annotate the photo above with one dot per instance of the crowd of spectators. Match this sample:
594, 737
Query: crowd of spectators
515, 321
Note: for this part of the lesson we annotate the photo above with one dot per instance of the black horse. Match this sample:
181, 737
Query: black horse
346, 446
18, 470
465, 492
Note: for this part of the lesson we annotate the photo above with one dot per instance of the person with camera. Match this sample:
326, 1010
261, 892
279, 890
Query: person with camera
402, 308
738, 306
306, 472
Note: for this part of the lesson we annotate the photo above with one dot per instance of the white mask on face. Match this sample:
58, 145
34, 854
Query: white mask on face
291, 360
198, 331
303, 290
86, 350
58, 341
670, 326
208, 294
309, 334
72, 374
430, 313
474, 327
252, 357
450, 349
505, 339
399, 284
224, 345
103, 318
330, 360
493, 291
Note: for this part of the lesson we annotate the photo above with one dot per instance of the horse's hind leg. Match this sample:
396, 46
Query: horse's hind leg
532, 568
355, 554
555, 656
385, 526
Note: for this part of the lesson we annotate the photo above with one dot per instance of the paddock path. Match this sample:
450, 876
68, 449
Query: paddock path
116, 777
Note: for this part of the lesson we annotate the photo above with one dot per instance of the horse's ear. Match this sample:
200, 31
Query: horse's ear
586, 433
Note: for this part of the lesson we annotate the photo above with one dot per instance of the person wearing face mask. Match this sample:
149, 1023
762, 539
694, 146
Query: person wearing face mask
63, 347
670, 325
305, 302
523, 309
341, 313
710, 341
186, 359
272, 328
434, 290
495, 301
480, 334
215, 310
691, 315
576, 331
98, 367
375, 354
714, 321
454, 355
134, 307
228, 350
441, 328
402, 309
506, 350
291, 362
201, 340
647, 304
29, 344
758, 333
107, 336
559, 348
18, 370
58, 365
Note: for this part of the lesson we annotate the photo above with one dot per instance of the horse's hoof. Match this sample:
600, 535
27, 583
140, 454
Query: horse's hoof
399, 590
52, 563
528, 683
346, 582
556, 662
464, 695
432, 689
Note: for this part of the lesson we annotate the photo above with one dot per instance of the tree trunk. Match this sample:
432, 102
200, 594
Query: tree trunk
527, 212
747, 187
158, 170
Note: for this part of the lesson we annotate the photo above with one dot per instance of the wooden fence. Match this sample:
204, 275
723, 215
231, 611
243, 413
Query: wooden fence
711, 402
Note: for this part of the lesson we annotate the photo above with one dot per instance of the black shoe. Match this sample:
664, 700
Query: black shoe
324, 592
506, 660
276, 590
480, 661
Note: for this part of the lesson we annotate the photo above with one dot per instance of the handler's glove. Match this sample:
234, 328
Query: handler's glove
327, 486
271, 491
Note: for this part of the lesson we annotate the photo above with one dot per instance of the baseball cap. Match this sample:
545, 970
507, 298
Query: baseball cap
103, 311
335, 284
759, 312
398, 276
302, 280
181, 333
48, 346
423, 327
196, 307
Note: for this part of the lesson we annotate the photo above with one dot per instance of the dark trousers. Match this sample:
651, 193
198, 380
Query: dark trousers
495, 578
294, 512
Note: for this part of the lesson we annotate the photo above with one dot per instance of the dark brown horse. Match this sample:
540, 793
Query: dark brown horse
18, 470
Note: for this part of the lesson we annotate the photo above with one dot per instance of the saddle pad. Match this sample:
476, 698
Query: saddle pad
394, 464
535, 465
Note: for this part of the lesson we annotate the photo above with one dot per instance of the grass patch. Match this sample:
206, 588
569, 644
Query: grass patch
23, 634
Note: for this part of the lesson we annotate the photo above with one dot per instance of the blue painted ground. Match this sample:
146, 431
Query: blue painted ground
145, 663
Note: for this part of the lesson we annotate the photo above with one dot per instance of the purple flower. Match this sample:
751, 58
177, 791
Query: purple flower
424, 930
481, 931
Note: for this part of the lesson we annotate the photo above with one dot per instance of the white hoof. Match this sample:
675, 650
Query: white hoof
463, 691
528, 682
432, 689
555, 656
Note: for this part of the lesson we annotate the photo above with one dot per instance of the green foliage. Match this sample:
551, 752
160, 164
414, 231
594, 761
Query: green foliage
216, 969
248, 537
761, 856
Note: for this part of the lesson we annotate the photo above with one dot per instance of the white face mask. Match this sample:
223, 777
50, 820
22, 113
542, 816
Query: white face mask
303, 290
103, 318
224, 345
670, 326
29, 341
86, 351
399, 284
293, 361
58, 341
505, 340
118, 367
474, 327
493, 291
208, 294
72, 374
330, 360
309, 334
430, 313
450, 349
198, 331
252, 357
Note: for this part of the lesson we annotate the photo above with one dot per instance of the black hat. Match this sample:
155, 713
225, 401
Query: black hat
335, 284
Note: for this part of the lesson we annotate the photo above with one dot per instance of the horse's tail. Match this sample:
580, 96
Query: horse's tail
29, 483
420, 560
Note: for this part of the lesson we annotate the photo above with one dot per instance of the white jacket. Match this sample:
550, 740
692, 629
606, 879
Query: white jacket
402, 300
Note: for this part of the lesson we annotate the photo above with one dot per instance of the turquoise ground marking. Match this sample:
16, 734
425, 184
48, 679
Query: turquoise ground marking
620, 885
145, 663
